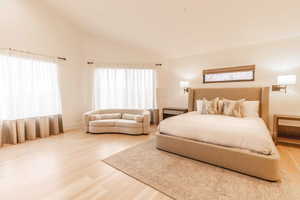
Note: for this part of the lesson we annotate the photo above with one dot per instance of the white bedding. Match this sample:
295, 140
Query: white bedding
244, 133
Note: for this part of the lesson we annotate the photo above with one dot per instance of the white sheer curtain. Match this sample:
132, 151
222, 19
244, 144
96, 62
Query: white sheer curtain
28, 87
124, 88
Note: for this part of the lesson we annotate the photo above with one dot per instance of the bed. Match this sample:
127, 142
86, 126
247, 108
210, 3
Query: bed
174, 135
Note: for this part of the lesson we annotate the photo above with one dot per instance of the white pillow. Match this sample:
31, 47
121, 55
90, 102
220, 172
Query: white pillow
251, 109
199, 106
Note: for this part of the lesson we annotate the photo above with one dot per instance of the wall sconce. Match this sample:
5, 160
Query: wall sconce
185, 85
283, 82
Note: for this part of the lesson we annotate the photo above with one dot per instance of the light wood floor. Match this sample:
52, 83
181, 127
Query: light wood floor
69, 166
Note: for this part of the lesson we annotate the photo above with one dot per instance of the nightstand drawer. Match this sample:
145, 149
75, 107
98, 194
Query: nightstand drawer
284, 122
173, 112
170, 112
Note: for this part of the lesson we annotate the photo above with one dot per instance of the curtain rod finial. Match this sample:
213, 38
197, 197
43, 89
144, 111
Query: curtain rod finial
61, 58
90, 62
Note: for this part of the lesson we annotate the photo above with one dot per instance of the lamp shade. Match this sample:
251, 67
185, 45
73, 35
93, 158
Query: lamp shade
184, 84
286, 80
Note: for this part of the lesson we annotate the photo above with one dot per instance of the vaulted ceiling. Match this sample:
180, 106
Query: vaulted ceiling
176, 28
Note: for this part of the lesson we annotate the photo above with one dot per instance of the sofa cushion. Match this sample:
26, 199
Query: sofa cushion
137, 118
128, 123
106, 116
95, 117
103, 122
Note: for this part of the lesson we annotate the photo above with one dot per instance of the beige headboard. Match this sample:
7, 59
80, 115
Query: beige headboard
252, 94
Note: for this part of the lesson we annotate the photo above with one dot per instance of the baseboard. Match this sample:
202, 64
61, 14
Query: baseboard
72, 127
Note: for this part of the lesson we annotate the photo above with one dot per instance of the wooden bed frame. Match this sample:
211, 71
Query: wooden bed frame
254, 164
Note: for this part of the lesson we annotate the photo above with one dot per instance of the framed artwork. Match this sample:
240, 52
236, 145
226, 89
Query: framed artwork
229, 74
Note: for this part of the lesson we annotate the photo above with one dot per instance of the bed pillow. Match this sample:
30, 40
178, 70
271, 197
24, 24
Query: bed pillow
233, 108
210, 107
199, 106
251, 109
221, 106
206, 107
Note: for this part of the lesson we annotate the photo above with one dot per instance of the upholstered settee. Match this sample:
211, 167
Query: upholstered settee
129, 121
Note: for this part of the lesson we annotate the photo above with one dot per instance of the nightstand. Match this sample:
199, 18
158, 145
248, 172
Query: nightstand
171, 111
286, 129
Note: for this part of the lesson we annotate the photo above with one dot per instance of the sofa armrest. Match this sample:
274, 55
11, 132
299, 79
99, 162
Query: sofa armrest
146, 122
86, 119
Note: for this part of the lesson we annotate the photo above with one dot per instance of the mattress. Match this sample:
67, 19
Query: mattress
243, 133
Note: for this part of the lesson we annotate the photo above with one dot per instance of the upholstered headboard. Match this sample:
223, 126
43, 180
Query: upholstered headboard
251, 94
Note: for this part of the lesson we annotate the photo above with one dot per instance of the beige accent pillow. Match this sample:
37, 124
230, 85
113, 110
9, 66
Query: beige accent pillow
105, 116
233, 108
210, 107
137, 118
221, 106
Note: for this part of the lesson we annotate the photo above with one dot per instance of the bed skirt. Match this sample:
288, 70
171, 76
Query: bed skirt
20, 130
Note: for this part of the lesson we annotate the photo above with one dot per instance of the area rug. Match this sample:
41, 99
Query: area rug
183, 178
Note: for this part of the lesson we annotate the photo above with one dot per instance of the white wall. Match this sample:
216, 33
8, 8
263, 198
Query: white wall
271, 60
27, 25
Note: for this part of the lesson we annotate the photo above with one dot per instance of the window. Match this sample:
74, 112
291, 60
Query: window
124, 88
29, 88
229, 74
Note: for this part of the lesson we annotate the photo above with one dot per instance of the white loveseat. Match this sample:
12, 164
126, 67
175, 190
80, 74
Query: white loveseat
129, 121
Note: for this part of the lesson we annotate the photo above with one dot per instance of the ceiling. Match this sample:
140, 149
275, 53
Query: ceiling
177, 28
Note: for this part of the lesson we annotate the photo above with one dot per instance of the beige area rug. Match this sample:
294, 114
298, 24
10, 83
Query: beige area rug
183, 178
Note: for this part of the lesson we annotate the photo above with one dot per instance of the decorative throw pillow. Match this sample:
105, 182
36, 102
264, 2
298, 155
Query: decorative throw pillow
210, 107
105, 116
220, 106
233, 108
251, 109
137, 118
111, 116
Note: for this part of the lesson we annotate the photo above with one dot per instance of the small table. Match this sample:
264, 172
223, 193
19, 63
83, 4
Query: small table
173, 111
286, 133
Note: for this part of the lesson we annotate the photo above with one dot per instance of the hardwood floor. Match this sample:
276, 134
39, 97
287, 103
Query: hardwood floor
69, 166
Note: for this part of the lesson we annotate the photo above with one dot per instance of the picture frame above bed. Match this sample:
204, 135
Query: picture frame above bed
229, 74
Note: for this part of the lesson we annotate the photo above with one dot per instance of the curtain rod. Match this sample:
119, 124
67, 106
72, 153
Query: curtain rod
153, 64
36, 54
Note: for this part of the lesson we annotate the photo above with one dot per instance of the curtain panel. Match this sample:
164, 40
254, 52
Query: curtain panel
21, 130
124, 88
28, 87
30, 102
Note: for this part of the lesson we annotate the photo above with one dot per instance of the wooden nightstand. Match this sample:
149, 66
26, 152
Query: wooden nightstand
286, 129
169, 112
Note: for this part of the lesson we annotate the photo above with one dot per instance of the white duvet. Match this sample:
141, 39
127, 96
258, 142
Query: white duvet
244, 133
